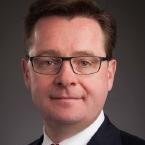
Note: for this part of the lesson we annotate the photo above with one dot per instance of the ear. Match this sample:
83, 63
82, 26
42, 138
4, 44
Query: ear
26, 72
111, 73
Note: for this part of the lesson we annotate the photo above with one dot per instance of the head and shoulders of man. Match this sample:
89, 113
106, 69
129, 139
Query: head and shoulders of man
78, 31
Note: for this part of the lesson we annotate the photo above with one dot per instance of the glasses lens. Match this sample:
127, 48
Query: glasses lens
46, 65
85, 65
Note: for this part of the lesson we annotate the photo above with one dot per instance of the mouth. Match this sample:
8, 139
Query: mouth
66, 101
65, 98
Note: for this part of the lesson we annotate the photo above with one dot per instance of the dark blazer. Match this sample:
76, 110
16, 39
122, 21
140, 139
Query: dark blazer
108, 134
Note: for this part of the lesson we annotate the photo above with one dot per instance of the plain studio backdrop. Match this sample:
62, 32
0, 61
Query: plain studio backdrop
20, 123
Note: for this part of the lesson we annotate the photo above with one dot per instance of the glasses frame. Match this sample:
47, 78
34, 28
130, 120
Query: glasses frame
31, 58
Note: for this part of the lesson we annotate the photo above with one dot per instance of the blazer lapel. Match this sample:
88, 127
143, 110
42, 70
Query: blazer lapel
38, 141
107, 134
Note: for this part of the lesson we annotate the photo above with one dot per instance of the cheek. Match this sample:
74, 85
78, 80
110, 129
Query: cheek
40, 88
96, 89
96, 85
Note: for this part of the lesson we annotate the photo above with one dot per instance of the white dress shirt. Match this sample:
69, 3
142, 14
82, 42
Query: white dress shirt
81, 138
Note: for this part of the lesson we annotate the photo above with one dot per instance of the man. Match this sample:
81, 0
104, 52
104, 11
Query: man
69, 70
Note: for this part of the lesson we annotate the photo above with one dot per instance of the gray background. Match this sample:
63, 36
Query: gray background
20, 122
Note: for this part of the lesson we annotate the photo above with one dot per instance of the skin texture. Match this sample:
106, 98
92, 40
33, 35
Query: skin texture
68, 101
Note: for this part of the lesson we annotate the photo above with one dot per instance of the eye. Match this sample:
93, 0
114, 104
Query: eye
84, 63
46, 62
42, 62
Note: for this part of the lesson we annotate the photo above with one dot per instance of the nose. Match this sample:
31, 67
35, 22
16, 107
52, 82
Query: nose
66, 76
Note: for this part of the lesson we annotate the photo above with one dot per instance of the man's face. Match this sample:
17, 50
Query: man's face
67, 97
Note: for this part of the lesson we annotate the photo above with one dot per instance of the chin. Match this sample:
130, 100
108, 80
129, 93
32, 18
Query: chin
66, 117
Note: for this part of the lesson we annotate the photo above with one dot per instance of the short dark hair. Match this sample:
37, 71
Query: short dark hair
69, 9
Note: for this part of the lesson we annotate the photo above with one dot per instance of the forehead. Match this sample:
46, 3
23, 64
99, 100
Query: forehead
67, 35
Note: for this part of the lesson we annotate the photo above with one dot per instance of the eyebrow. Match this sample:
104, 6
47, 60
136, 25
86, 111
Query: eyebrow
83, 53
51, 52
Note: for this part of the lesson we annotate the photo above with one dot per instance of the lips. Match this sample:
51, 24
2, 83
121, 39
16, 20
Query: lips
64, 97
66, 94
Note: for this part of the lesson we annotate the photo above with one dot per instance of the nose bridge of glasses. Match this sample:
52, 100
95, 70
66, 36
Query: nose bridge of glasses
69, 61
66, 58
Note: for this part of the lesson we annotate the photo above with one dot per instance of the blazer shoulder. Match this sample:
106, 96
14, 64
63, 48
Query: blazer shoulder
37, 142
129, 139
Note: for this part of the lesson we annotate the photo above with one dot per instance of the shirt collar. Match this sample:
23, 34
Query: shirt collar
81, 138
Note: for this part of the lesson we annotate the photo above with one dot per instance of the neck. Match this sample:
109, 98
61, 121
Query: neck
58, 132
